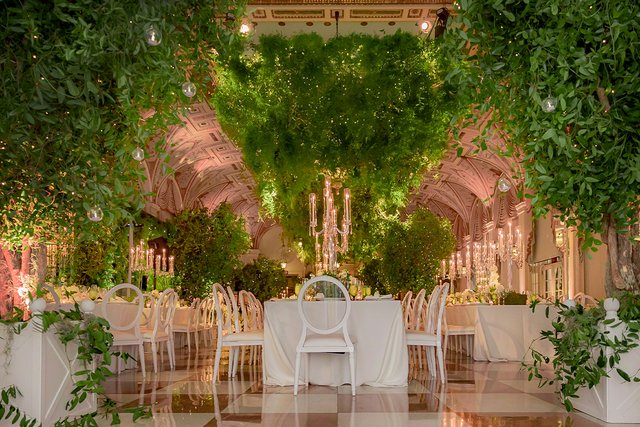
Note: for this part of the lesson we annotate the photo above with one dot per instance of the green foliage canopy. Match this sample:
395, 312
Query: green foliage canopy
412, 250
370, 112
207, 246
81, 88
582, 159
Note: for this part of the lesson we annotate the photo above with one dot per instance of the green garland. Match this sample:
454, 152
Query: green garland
372, 113
91, 335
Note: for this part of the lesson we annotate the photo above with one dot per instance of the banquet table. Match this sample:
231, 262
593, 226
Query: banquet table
503, 332
376, 328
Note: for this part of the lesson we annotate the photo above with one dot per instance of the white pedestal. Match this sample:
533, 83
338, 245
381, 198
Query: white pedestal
614, 400
39, 368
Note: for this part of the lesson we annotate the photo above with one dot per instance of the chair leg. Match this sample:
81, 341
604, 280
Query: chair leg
141, 359
440, 363
431, 361
154, 354
196, 337
172, 363
216, 366
352, 368
296, 374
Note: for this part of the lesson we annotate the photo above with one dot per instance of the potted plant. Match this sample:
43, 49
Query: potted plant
54, 366
596, 359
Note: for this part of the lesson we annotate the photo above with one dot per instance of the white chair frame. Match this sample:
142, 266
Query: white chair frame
227, 336
431, 336
133, 326
322, 334
162, 330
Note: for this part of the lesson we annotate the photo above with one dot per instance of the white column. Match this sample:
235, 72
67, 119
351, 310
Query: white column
524, 222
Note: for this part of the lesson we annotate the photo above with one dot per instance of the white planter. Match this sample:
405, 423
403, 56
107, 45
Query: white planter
614, 400
38, 366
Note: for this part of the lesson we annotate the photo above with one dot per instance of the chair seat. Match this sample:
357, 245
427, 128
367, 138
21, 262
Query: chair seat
125, 337
256, 336
460, 330
330, 340
422, 338
147, 334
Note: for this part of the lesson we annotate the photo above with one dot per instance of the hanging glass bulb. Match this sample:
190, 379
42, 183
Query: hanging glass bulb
95, 214
549, 104
154, 36
189, 89
138, 154
504, 185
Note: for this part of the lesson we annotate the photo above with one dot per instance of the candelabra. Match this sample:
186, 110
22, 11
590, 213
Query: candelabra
510, 245
326, 254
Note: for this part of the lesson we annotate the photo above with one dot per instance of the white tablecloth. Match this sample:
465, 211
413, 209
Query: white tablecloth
376, 327
503, 332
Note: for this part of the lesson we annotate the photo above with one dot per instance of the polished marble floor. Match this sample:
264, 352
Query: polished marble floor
476, 394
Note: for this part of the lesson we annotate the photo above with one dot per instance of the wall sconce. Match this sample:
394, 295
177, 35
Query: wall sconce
560, 235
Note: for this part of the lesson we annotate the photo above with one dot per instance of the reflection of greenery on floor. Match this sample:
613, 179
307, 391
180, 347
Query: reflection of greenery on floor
372, 113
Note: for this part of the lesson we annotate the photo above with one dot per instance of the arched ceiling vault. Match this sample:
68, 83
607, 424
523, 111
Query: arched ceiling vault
209, 170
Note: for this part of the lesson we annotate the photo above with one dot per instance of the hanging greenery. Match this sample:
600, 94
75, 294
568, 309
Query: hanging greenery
562, 79
412, 251
84, 83
371, 112
207, 246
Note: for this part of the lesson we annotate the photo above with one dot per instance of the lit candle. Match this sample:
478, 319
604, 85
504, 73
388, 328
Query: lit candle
312, 212
164, 260
171, 265
158, 261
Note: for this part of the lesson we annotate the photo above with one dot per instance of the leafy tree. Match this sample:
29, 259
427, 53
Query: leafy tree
370, 112
264, 277
411, 251
562, 79
81, 88
207, 246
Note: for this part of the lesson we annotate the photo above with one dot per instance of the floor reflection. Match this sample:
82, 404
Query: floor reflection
476, 394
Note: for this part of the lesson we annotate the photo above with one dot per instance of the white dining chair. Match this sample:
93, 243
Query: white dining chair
161, 330
229, 333
191, 324
250, 322
584, 299
127, 332
431, 336
323, 337
54, 295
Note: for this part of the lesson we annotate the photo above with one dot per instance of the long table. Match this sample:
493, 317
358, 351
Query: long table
503, 332
375, 327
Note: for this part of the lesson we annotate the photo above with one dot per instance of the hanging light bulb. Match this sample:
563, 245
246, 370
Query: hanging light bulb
189, 89
504, 184
138, 154
244, 29
549, 104
154, 36
95, 214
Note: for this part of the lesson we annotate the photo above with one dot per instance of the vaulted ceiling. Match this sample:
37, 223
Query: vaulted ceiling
209, 170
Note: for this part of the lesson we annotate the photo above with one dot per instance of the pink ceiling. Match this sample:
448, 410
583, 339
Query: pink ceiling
208, 170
